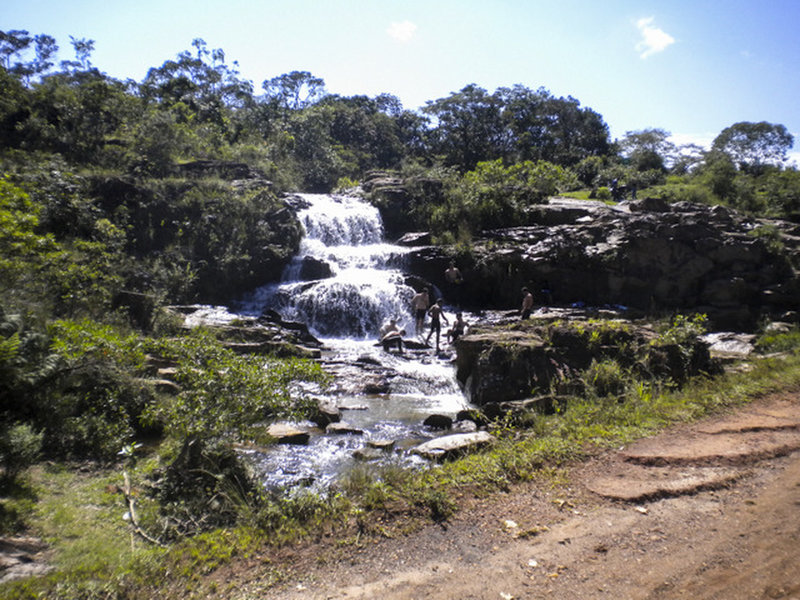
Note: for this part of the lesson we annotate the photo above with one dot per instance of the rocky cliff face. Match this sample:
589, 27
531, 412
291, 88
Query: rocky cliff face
509, 361
647, 255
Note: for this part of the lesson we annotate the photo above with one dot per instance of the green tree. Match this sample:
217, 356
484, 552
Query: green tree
543, 127
294, 91
468, 127
648, 149
751, 146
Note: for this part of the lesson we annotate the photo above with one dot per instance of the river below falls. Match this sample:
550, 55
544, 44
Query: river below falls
410, 388
357, 284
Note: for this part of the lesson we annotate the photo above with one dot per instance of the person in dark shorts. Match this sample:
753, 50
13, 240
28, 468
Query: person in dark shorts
419, 304
437, 316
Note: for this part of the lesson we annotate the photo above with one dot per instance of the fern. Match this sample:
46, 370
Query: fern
9, 350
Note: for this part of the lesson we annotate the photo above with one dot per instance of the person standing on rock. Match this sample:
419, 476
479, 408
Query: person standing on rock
527, 304
453, 279
419, 304
437, 316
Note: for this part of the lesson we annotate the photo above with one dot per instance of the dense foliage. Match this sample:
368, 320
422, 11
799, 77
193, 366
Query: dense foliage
117, 197
120, 197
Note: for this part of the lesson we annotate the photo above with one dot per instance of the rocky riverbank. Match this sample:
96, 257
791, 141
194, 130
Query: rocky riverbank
649, 256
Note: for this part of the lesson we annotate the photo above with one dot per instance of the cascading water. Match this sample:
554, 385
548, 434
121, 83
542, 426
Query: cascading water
365, 286
359, 286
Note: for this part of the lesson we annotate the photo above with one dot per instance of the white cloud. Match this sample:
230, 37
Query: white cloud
402, 31
700, 139
653, 40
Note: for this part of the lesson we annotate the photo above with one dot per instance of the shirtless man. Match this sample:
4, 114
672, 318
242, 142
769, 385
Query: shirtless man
391, 334
527, 303
419, 304
437, 316
453, 279
458, 328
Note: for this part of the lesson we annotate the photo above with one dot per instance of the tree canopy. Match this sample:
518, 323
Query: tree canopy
753, 145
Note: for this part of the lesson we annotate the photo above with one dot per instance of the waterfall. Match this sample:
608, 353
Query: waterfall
344, 283
343, 236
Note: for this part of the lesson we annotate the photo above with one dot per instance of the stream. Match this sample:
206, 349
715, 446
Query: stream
383, 396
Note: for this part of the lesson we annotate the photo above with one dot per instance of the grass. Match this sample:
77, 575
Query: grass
95, 556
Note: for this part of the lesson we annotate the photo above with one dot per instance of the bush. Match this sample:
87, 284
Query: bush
20, 446
605, 378
603, 193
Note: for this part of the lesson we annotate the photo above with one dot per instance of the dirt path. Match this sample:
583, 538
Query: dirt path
701, 512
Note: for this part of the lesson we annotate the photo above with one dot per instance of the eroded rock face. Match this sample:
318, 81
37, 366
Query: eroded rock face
507, 362
646, 255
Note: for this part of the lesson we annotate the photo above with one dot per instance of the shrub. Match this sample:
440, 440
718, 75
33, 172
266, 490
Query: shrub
606, 378
20, 446
603, 193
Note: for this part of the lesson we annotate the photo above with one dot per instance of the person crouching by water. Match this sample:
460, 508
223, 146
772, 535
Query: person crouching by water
527, 304
437, 316
419, 304
458, 328
392, 335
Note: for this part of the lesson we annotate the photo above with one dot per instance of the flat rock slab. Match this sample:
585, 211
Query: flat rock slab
343, 429
453, 445
640, 484
724, 448
286, 433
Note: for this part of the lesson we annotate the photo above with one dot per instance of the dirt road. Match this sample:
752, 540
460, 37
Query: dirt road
705, 511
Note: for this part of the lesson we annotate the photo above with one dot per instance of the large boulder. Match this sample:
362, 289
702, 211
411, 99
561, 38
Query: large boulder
508, 362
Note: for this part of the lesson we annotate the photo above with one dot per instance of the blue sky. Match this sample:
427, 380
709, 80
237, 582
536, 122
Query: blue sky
690, 67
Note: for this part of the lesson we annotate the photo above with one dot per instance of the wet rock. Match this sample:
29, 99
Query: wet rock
438, 422
313, 269
327, 412
476, 416
420, 238
286, 433
343, 429
449, 446
366, 359
464, 426
353, 407
383, 445
378, 385
280, 349
299, 330
368, 454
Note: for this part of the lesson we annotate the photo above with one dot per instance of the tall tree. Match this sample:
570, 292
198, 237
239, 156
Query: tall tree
294, 91
543, 127
468, 127
751, 146
648, 149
